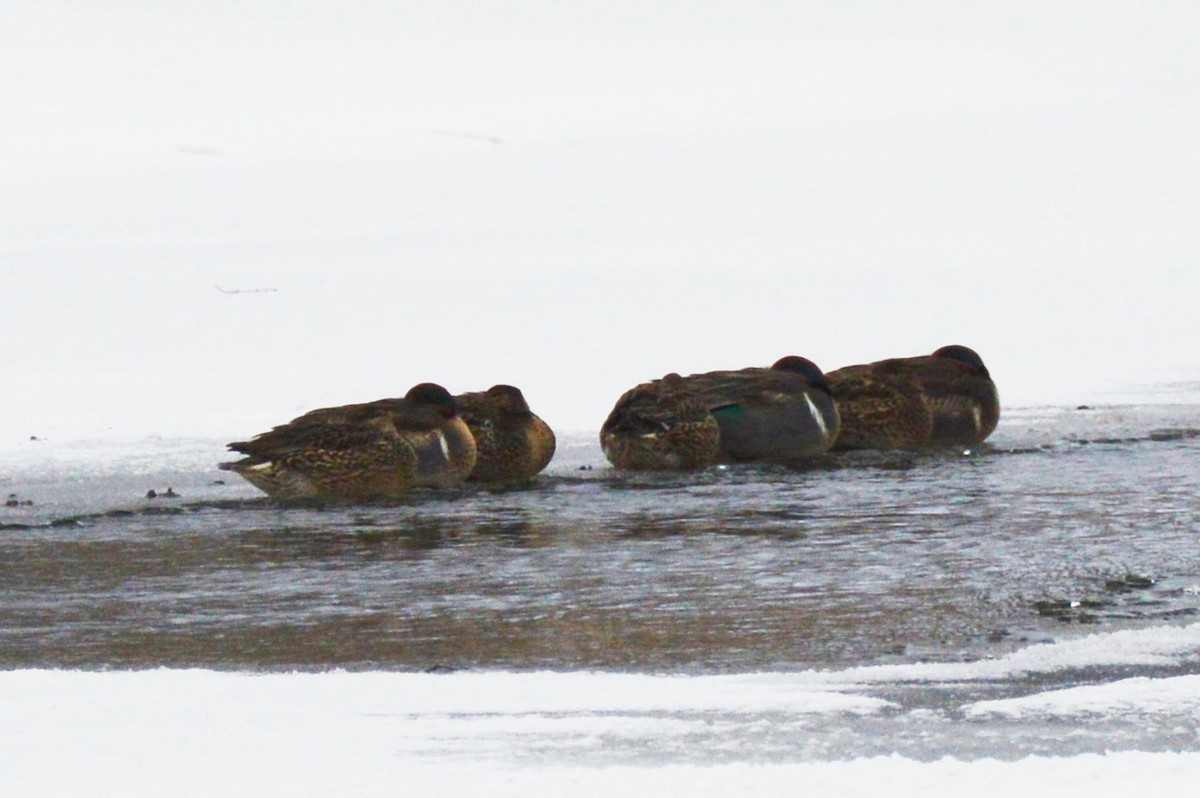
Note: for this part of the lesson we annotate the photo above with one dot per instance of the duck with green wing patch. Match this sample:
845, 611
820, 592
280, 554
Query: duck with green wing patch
781, 414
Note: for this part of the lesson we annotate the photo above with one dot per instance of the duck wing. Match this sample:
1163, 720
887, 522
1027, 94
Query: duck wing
880, 407
751, 387
288, 441
654, 407
964, 401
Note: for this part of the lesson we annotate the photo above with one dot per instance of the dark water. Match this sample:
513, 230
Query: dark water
1067, 521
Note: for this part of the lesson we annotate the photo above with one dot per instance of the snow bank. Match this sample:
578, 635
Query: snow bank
194, 732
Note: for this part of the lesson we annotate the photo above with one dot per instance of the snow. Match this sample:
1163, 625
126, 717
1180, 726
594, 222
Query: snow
197, 732
1127, 696
1147, 647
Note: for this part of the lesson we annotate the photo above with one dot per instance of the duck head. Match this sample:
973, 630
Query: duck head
432, 395
806, 369
510, 399
965, 355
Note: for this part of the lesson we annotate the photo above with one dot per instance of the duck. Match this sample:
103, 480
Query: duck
660, 426
362, 452
781, 414
945, 398
961, 393
512, 443
881, 406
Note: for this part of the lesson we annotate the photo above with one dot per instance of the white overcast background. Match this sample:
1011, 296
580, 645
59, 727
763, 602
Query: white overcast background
575, 196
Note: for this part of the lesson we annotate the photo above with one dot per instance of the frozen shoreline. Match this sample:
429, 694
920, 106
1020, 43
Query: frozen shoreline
198, 732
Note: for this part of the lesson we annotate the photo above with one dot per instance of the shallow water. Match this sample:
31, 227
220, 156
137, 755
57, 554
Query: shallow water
1067, 521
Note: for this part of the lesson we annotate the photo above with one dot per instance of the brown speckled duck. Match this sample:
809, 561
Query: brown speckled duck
781, 414
513, 444
362, 452
881, 406
947, 398
961, 394
660, 425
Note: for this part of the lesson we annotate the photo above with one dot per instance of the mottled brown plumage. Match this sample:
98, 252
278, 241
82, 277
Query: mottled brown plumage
780, 414
660, 425
881, 406
361, 452
961, 395
947, 398
513, 444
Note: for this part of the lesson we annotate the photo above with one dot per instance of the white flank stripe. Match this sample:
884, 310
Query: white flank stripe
817, 415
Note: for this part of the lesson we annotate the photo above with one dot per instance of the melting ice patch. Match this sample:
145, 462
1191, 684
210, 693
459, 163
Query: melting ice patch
199, 732
1179, 695
1162, 646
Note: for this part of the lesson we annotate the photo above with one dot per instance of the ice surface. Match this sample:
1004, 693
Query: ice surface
1164, 646
193, 732
1179, 695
